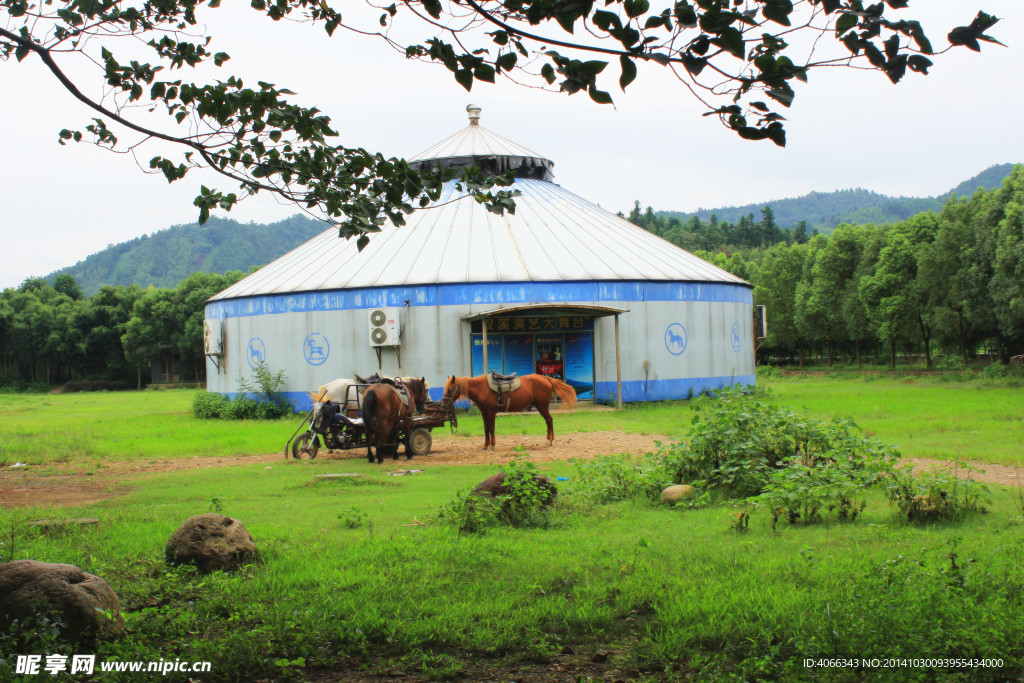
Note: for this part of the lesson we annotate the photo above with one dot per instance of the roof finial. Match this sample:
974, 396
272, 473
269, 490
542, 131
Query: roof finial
474, 114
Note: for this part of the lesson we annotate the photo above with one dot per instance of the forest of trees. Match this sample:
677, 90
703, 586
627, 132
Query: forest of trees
50, 334
950, 281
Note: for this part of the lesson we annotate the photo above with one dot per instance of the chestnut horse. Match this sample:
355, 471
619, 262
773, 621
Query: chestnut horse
535, 391
384, 412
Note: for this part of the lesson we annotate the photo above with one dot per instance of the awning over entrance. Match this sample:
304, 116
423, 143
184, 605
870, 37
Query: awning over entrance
568, 309
563, 309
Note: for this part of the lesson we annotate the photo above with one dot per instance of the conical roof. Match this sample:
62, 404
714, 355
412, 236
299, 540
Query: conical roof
554, 235
476, 142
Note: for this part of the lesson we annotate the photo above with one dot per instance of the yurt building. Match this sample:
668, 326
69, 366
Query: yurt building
561, 287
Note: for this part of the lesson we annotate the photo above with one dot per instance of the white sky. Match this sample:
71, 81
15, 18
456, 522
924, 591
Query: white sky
846, 129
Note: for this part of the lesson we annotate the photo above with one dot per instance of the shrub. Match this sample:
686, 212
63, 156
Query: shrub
208, 404
937, 495
800, 493
272, 404
527, 503
242, 407
471, 512
611, 478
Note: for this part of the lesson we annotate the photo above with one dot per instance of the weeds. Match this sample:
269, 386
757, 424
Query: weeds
353, 518
269, 403
927, 496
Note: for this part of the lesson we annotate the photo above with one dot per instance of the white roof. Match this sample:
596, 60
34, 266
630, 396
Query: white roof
475, 141
554, 235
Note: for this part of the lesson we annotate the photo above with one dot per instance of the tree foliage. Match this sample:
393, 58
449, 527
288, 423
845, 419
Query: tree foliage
48, 337
740, 58
954, 279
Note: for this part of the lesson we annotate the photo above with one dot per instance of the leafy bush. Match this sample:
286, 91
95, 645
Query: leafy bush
529, 500
800, 493
209, 404
242, 407
739, 439
471, 512
611, 478
527, 503
939, 495
270, 404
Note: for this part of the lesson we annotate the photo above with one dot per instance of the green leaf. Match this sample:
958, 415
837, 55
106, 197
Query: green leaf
599, 96
778, 11
548, 72
507, 61
465, 78
845, 22
21, 52
919, 63
484, 72
628, 72
730, 40
634, 8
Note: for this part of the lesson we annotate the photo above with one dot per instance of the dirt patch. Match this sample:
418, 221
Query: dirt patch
1005, 475
68, 485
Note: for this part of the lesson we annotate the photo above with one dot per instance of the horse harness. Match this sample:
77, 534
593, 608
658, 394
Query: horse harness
503, 385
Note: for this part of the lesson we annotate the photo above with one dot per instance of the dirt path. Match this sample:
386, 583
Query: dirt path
69, 485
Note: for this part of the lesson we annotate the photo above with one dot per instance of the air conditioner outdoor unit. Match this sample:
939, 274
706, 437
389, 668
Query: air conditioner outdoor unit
384, 327
213, 337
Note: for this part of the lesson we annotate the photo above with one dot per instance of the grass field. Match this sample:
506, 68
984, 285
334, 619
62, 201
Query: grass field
922, 417
349, 583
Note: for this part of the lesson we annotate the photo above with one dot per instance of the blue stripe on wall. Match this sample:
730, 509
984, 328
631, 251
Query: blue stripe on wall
484, 293
632, 391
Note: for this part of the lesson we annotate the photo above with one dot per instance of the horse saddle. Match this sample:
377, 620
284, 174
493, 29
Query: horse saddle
375, 378
503, 385
400, 389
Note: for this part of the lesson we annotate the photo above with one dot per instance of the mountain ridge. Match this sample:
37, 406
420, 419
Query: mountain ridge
826, 210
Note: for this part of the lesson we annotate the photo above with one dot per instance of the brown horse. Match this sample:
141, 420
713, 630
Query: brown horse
384, 413
536, 391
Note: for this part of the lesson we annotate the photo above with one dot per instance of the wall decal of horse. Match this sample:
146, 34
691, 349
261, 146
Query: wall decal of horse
535, 391
384, 414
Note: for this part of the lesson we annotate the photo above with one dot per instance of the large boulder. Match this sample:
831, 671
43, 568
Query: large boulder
58, 591
211, 542
676, 494
495, 486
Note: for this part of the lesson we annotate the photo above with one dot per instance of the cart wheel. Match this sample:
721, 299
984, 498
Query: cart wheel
419, 441
306, 446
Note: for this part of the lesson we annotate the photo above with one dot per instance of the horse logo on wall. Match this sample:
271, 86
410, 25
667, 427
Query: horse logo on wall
256, 352
737, 341
675, 339
316, 348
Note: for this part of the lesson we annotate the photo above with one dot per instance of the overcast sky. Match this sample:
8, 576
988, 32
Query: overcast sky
846, 129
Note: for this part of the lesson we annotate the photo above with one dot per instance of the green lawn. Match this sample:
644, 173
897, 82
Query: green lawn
923, 417
360, 574
670, 593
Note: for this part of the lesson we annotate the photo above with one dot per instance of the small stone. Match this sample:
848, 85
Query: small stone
677, 493
211, 542
600, 656
567, 650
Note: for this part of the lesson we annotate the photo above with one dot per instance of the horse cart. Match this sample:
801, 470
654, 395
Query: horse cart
340, 426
